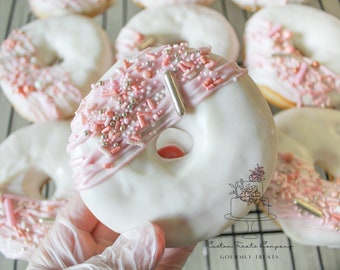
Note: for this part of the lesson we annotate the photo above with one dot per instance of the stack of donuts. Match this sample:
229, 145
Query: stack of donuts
147, 120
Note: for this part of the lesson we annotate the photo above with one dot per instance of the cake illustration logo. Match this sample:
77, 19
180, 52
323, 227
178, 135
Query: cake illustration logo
249, 193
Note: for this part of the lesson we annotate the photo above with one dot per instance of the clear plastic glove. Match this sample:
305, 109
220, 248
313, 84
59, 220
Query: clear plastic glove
79, 241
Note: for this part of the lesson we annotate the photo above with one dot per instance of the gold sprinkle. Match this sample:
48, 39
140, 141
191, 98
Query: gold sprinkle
308, 207
146, 43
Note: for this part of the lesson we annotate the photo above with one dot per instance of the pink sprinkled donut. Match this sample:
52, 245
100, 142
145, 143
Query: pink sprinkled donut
29, 158
173, 24
307, 206
172, 96
255, 5
50, 8
286, 55
153, 3
48, 65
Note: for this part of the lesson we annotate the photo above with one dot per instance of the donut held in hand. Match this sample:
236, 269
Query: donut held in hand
306, 204
171, 96
48, 65
30, 157
287, 59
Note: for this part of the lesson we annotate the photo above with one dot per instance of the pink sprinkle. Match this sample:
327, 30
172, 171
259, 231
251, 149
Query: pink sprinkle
183, 67
124, 105
9, 212
218, 81
135, 137
166, 61
107, 129
275, 29
301, 73
203, 59
126, 63
146, 74
141, 120
151, 104
210, 64
115, 150
107, 166
151, 55
204, 51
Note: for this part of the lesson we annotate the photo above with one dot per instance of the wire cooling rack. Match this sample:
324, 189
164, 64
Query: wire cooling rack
254, 243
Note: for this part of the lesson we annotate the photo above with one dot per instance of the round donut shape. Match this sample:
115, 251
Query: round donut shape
306, 204
31, 158
48, 65
170, 24
252, 6
188, 196
287, 57
152, 3
51, 8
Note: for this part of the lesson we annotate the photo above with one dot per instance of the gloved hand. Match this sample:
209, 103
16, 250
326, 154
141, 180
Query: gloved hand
79, 241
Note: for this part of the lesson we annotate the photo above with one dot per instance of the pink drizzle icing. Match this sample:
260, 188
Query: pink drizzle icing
307, 77
76, 6
132, 42
38, 85
24, 222
295, 178
130, 107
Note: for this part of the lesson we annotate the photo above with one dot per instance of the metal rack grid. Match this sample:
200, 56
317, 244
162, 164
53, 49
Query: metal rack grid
259, 244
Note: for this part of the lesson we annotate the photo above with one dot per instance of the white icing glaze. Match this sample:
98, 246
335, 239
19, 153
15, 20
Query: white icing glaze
311, 137
195, 24
49, 8
254, 5
29, 157
35, 83
288, 55
221, 147
153, 3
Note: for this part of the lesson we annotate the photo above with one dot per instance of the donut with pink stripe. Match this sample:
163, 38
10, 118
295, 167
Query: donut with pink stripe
255, 5
287, 57
306, 204
50, 8
197, 25
153, 3
30, 158
48, 65
157, 139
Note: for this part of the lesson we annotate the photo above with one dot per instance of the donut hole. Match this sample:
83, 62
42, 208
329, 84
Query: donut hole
32, 182
323, 172
173, 143
47, 188
55, 60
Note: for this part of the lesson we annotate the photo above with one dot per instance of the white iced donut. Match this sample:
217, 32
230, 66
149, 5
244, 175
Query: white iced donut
153, 3
195, 24
307, 206
287, 58
172, 96
48, 65
31, 157
49, 8
255, 5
